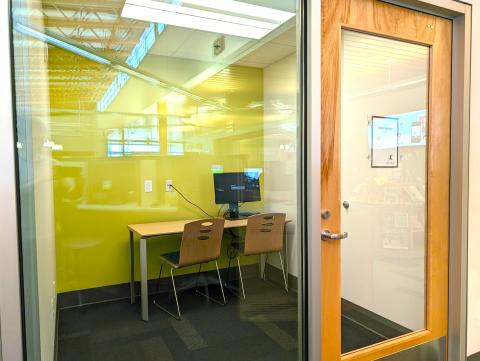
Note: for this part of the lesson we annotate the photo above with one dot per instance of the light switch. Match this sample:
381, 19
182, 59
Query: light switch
148, 186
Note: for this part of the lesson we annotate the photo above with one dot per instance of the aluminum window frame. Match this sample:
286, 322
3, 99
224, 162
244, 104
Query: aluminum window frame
11, 310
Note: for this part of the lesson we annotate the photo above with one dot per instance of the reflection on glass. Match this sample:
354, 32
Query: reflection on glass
383, 147
130, 141
110, 110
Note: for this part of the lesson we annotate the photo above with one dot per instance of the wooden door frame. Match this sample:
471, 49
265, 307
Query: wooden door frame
466, 84
391, 21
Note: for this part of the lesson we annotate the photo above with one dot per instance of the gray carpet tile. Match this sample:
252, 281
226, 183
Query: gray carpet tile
155, 349
207, 332
187, 332
262, 328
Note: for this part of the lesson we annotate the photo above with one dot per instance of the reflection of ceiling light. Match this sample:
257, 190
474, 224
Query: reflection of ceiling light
254, 105
51, 144
204, 108
217, 22
48, 144
287, 148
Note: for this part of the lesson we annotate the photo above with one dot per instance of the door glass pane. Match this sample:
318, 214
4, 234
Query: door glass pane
126, 116
384, 128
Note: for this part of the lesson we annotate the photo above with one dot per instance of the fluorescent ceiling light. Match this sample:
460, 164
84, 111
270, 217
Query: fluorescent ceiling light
178, 9
187, 17
242, 8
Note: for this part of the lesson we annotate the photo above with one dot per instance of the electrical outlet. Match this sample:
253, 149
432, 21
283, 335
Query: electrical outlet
148, 184
168, 185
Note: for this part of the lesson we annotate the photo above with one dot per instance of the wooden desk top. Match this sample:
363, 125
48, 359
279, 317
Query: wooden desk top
172, 227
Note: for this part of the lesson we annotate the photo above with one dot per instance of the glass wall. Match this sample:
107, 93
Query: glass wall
134, 119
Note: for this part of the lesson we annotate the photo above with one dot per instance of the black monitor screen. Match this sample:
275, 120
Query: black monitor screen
236, 187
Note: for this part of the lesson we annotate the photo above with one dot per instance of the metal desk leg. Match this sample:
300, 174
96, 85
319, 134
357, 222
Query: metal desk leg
262, 265
132, 270
144, 278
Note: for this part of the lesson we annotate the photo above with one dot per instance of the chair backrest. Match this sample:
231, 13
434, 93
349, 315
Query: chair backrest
201, 241
264, 233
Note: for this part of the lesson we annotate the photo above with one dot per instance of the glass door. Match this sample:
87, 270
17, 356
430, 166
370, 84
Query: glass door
385, 179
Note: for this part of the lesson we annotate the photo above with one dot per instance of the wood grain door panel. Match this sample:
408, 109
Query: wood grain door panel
386, 20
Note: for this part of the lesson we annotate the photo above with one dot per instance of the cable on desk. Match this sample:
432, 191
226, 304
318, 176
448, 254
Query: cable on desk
188, 201
219, 210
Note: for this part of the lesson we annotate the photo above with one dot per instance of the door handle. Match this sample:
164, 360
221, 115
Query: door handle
326, 235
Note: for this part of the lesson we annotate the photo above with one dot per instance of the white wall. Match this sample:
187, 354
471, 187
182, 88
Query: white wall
280, 148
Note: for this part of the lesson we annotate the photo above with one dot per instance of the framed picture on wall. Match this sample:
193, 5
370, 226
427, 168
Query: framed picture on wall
384, 142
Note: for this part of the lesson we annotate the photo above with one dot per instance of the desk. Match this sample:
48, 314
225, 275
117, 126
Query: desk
148, 230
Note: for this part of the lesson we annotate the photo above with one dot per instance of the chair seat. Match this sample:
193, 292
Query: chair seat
173, 258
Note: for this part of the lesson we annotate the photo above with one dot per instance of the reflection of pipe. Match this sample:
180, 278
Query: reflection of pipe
43, 36
81, 50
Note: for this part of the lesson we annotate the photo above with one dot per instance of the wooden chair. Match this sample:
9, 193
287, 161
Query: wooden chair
264, 235
201, 243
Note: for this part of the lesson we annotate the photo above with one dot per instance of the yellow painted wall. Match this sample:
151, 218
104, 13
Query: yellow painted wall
97, 196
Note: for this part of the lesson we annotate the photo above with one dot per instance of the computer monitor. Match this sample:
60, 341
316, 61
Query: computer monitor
234, 188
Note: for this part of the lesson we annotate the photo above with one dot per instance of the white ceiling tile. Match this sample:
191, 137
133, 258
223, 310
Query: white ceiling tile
170, 40
251, 64
194, 44
268, 54
275, 50
287, 38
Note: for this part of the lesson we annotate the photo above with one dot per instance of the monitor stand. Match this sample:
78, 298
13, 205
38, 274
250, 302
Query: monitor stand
233, 212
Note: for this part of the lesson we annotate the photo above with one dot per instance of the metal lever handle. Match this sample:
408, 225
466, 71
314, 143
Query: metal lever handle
326, 235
